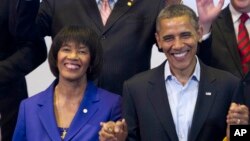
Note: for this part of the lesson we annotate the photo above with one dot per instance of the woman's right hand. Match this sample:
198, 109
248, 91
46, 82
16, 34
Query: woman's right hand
113, 131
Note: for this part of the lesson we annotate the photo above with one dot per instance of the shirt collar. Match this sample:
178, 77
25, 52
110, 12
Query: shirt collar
110, 1
195, 75
235, 14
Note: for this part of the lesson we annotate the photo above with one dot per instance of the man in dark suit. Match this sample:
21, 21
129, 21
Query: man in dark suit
126, 38
17, 58
220, 50
182, 99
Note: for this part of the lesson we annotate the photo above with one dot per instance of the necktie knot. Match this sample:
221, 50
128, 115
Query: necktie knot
105, 4
243, 17
107, 1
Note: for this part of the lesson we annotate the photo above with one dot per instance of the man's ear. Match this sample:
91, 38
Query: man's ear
200, 34
157, 38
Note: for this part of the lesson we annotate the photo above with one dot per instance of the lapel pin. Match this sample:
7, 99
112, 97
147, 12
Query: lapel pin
208, 93
130, 3
85, 111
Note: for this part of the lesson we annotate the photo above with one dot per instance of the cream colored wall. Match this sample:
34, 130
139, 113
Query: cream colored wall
40, 78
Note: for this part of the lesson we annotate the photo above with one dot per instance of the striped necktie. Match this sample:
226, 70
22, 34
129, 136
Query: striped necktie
105, 10
244, 43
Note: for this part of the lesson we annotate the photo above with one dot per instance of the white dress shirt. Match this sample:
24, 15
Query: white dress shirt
182, 99
111, 3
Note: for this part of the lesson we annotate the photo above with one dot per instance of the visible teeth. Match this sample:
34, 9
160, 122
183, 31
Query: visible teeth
180, 54
71, 66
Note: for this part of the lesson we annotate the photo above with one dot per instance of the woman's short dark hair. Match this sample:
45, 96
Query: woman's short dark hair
78, 34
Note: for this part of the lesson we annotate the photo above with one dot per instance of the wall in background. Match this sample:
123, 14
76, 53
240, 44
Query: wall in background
40, 78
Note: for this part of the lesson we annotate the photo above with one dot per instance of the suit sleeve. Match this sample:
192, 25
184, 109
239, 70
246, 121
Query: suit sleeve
130, 115
27, 57
204, 50
24, 56
116, 110
238, 95
245, 86
25, 13
33, 19
19, 133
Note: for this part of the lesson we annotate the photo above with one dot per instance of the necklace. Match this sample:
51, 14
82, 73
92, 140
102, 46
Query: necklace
58, 106
64, 133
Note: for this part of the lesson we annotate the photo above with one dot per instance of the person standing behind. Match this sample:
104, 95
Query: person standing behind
228, 46
182, 99
125, 27
72, 107
222, 48
17, 59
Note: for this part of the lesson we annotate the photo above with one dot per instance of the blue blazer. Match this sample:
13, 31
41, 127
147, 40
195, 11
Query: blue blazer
37, 122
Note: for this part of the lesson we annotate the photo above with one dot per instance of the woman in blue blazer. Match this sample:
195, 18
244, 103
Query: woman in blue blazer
72, 107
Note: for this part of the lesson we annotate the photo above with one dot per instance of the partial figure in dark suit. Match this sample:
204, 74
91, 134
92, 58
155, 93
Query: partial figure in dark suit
246, 89
182, 99
220, 49
17, 59
127, 36
72, 107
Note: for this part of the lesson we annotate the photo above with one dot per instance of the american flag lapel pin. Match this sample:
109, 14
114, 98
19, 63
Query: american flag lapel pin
208, 93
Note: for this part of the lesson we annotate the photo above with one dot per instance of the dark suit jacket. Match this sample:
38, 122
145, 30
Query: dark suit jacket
17, 58
246, 89
220, 50
148, 114
126, 39
37, 122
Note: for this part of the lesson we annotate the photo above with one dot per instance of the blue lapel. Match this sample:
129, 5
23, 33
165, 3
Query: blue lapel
46, 114
89, 103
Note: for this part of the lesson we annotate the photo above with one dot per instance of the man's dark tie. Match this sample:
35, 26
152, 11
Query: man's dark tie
105, 11
244, 43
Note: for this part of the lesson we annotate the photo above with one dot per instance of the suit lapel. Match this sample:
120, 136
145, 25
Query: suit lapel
158, 97
121, 7
86, 111
205, 99
92, 10
228, 33
46, 114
